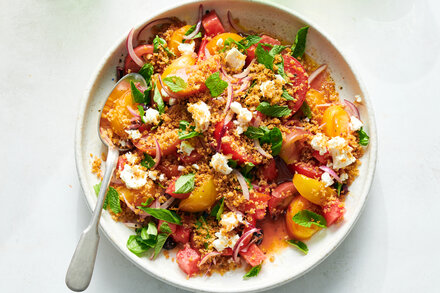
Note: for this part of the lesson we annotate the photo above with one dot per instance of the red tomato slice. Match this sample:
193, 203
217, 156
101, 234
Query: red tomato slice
298, 79
172, 187
253, 256
181, 234
257, 201
333, 212
170, 170
264, 40
191, 159
227, 251
269, 171
188, 260
323, 159
282, 195
212, 24
308, 170
130, 65
151, 150
201, 54
173, 227
121, 162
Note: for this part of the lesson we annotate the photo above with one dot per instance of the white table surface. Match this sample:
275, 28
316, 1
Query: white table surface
49, 51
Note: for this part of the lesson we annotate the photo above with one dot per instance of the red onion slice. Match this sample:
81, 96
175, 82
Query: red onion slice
260, 149
331, 172
208, 256
317, 72
141, 213
133, 112
158, 153
246, 71
239, 244
246, 82
129, 46
169, 93
155, 22
166, 204
352, 109
228, 100
231, 22
199, 24
228, 77
243, 184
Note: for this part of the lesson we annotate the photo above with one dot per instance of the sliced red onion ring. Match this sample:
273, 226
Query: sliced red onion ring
245, 83
207, 53
208, 256
169, 93
228, 77
239, 244
231, 22
228, 118
129, 46
317, 72
331, 172
228, 100
158, 153
199, 24
166, 204
260, 149
141, 213
243, 184
352, 109
133, 112
246, 71
155, 22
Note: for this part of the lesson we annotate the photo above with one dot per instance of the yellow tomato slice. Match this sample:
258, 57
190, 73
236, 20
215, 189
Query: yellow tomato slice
312, 189
336, 121
296, 231
201, 199
177, 38
215, 44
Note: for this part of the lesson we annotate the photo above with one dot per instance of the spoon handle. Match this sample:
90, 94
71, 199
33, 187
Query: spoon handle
81, 266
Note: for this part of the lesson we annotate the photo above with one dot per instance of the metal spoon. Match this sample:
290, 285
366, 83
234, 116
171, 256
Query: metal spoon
81, 266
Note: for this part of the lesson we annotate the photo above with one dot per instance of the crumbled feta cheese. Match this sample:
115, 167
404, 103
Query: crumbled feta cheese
267, 87
133, 177
163, 93
195, 166
123, 143
280, 78
220, 164
133, 134
244, 116
186, 148
340, 152
223, 241
355, 124
235, 59
319, 143
327, 179
162, 177
131, 158
201, 115
180, 168
186, 48
343, 176
358, 99
172, 101
151, 116
230, 221
153, 175
219, 42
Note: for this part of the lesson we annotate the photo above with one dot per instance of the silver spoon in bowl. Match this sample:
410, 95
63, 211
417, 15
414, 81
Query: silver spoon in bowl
81, 266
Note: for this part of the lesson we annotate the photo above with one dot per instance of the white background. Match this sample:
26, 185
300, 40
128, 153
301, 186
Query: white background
50, 48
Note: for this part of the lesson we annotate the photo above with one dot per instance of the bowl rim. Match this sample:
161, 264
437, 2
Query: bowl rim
372, 147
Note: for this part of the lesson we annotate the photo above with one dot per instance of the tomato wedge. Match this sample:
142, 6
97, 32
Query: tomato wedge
188, 260
264, 40
308, 170
269, 171
298, 78
212, 24
191, 159
282, 195
181, 234
130, 65
258, 202
253, 256
333, 212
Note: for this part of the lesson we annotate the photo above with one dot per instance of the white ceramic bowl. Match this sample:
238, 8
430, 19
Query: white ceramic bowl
289, 264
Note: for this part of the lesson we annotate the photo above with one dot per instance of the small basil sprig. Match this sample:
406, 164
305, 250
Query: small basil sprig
162, 43
190, 30
299, 244
273, 110
217, 210
250, 40
299, 46
308, 218
111, 199
148, 162
175, 83
157, 98
215, 84
162, 214
364, 139
184, 184
253, 272
267, 57
229, 41
305, 108
186, 131
273, 137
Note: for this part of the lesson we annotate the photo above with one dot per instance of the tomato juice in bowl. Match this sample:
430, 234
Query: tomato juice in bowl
277, 267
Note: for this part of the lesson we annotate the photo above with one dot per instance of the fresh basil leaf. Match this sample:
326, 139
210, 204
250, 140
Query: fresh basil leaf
147, 202
273, 137
229, 41
175, 83
97, 187
161, 239
148, 162
150, 230
246, 169
308, 218
281, 71
142, 113
299, 244
136, 245
215, 84
161, 42
286, 95
299, 47
157, 98
305, 108
147, 70
217, 210
254, 132
364, 139
163, 214
273, 110
111, 199
250, 40
183, 125
263, 57
252, 272
138, 96
187, 135
339, 188
184, 183
189, 31
186, 131
232, 163
277, 49
165, 228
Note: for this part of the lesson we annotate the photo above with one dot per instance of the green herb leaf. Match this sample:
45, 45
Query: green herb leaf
250, 40
299, 46
161, 42
175, 83
142, 113
281, 71
151, 230
186, 130
305, 108
190, 30
267, 57
308, 218
157, 98
215, 84
232, 163
252, 272
364, 139
146, 71
147, 202
165, 228
111, 199
246, 169
148, 162
339, 188
254, 132
299, 244
184, 183
138, 96
286, 95
277, 49
163, 214
273, 137
229, 41
97, 187
217, 210
273, 110
161, 239
136, 245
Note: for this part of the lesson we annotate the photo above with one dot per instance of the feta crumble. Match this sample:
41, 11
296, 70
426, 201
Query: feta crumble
223, 241
153, 175
186, 148
235, 59
340, 152
244, 116
355, 124
230, 221
131, 158
343, 176
220, 164
358, 99
186, 48
201, 115
151, 116
327, 179
172, 101
267, 87
133, 134
133, 177
195, 166
319, 143
162, 177
180, 168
